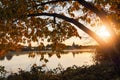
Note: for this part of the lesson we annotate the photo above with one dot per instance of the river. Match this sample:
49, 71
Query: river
24, 60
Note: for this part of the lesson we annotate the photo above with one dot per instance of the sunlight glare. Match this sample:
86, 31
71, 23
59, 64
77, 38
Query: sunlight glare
103, 33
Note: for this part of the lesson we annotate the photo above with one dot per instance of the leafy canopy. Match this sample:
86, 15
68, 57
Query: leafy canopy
16, 26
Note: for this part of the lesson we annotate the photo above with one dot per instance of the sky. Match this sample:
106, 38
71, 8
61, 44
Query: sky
85, 40
100, 30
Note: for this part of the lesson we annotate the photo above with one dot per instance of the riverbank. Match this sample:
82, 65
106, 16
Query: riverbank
94, 72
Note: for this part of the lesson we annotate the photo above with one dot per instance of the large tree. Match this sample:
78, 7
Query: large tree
24, 21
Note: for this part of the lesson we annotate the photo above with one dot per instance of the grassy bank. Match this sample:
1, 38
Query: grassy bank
94, 72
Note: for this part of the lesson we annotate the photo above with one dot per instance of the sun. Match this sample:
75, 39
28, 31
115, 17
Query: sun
103, 33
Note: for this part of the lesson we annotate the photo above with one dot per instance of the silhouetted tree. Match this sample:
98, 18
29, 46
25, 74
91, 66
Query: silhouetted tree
24, 21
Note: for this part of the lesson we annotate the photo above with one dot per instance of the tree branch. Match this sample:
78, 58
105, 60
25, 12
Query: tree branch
102, 15
82, 2
49, 2
75, 22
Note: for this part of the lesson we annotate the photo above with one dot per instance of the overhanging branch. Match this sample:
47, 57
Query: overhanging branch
49, 2
102, 14
75, 22
82, 2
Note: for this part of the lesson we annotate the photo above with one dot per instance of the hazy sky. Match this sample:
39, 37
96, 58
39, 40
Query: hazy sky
85, 40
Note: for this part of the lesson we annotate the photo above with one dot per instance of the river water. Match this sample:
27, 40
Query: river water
24, 60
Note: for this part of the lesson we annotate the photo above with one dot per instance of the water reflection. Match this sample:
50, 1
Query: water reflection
24, 60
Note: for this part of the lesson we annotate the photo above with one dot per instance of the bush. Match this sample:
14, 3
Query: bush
94, 72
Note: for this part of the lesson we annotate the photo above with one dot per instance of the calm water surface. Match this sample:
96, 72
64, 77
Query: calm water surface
24, 60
